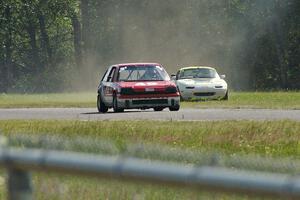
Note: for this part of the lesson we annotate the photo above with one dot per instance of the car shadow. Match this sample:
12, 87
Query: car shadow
112, 112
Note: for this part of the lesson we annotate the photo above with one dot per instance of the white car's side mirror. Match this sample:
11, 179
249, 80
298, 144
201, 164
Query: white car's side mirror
173, 77
223, 76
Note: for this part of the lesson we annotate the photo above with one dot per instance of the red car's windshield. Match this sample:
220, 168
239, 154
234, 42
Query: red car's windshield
142, 73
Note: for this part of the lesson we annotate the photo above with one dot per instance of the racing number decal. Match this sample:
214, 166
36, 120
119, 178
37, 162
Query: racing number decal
108, 87
146, 83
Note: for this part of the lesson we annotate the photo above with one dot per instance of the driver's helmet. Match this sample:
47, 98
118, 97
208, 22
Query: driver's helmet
149, 74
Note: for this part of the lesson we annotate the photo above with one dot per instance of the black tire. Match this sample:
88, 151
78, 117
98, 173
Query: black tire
115, 105
158, 108
225, 97
100, 105
181, 98
174, 108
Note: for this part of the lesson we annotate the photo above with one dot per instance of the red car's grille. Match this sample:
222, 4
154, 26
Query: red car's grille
150, 101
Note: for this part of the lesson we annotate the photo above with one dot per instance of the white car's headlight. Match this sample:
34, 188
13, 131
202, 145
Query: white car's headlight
220, 85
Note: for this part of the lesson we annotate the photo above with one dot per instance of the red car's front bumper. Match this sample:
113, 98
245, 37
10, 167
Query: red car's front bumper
148, 101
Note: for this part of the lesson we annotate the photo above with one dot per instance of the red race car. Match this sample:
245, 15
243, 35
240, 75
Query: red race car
137, 86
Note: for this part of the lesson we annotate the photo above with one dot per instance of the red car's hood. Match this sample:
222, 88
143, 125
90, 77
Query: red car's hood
141, 85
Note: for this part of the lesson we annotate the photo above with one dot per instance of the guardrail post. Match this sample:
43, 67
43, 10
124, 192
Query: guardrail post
18, 181
19, 185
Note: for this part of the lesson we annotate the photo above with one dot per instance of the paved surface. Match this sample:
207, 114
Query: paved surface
183, 114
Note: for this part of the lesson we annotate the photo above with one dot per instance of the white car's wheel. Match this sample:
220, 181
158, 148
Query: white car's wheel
226, 96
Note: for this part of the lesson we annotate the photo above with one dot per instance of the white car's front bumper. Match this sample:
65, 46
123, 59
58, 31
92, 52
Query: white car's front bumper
203, 93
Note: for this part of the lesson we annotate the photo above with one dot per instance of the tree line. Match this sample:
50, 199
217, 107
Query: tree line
59, 45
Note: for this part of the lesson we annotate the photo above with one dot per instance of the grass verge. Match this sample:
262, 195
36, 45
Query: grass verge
60, 100
274, 138
272, 100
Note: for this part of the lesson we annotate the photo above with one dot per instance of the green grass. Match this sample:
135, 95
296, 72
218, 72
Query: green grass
273, 100
276, 138
61, 187
271, 138
84, 99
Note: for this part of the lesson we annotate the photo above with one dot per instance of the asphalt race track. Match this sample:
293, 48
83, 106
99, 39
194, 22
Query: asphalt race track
182, 114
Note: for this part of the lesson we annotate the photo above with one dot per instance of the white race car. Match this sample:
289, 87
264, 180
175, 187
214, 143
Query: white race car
200, 82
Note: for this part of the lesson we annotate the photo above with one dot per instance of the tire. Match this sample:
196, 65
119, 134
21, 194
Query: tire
225, 97
100, 105
158, 108
181, 98
174, 108
115, 105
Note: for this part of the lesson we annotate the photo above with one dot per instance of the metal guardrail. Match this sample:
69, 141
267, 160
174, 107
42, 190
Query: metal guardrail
19, 162
289, 165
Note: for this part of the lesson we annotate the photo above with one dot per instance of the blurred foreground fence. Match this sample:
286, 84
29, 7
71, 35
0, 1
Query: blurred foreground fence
147, 164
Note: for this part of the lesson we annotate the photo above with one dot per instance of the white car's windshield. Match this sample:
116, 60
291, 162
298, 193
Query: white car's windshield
197, 73
143, 73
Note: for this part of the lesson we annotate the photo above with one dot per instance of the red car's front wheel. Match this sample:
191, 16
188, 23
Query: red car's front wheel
115, 105
174, 108
100, 105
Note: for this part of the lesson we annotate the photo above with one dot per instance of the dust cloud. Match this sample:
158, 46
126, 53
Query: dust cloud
178, 33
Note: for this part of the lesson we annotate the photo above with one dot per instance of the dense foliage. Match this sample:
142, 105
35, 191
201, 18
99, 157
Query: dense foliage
53, 45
